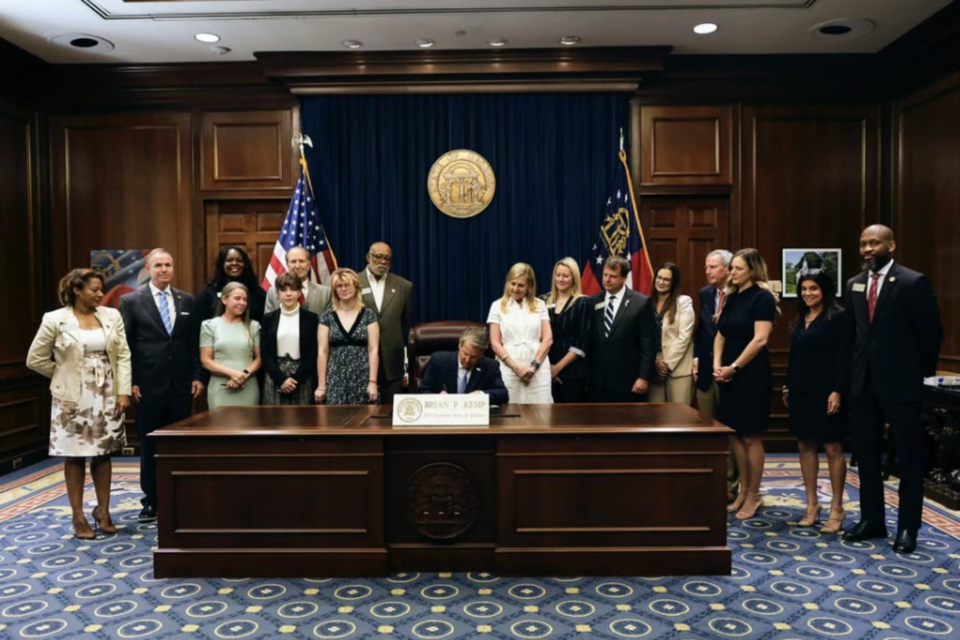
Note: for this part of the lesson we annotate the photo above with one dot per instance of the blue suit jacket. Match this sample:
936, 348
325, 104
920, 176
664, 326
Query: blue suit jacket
705, 334
441, 375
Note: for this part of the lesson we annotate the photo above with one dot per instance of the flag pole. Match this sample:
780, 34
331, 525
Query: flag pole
636, 206
301, 140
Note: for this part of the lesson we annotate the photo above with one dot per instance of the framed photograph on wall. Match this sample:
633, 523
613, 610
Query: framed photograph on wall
796, 262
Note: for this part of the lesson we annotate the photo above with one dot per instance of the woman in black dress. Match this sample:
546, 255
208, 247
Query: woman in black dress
571, 319
348, 342
816, 383
746, 380
233, 265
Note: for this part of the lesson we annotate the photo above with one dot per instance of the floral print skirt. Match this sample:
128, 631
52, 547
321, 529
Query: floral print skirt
88, 427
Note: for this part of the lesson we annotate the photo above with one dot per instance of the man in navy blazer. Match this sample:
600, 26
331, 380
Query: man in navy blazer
896, 342
166, 362
717, 270
466, 371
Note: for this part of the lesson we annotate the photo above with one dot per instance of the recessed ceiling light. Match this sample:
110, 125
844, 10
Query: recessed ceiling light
84, 41
425, 43
209, 38
705, 28
570, 40
352, 44
221, 51
499, 42
842, 29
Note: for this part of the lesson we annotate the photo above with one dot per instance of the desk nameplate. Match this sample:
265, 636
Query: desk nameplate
441, 410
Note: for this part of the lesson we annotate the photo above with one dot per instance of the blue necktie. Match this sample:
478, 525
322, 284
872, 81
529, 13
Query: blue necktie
462, 383
165, 312
608, 317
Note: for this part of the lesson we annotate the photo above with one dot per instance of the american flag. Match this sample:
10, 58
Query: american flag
620, 234
302, 227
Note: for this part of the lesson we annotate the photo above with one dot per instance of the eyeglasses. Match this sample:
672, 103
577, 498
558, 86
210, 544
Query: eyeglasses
659, 279
381, 257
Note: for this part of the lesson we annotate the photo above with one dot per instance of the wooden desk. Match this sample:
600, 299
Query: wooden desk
545, 490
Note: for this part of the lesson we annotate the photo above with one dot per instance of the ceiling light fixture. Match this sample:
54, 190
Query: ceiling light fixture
842, 29
425, 43
221, 51
83, 41
209, 38
498, 42
352, 44
570, 40
705, 28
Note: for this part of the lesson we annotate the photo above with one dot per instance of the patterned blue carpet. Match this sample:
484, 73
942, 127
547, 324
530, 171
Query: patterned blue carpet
787, 583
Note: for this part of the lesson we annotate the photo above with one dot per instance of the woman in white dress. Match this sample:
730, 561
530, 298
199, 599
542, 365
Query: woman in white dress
520, 335
83, 349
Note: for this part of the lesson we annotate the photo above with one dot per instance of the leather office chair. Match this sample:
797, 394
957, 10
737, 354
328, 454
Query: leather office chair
427, 337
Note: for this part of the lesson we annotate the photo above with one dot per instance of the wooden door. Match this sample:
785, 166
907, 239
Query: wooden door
251, 224
684, 230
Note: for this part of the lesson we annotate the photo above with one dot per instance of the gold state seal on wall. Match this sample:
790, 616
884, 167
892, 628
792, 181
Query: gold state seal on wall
461, 183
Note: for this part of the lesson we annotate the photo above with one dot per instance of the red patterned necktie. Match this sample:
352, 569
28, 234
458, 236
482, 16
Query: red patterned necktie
303, 298
872, 295
719, 301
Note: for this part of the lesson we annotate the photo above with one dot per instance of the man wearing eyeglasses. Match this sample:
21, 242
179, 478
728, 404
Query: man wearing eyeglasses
389, 296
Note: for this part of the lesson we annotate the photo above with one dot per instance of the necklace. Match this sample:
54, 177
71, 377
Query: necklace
810, 318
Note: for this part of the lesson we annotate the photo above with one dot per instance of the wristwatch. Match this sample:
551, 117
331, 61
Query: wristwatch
535, 364
246, 373
736, 367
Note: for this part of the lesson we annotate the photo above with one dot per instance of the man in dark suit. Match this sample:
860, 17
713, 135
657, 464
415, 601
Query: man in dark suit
625, 340
389, 296
717, 270
163, 343
466, 371
897, 336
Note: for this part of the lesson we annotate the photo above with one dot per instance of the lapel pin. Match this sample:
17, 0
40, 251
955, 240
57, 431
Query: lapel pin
627, 303
892, 278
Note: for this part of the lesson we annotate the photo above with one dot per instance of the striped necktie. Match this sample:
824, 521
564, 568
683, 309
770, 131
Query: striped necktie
608, 317
165, 312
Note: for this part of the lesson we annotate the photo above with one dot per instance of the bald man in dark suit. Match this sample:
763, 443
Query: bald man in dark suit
896, 342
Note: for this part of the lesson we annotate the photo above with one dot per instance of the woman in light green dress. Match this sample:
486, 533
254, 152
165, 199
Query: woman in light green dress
230, 351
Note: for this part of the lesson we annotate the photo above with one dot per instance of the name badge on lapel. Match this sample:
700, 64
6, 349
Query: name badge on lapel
859, 286
365, 291
184, 313
599, 306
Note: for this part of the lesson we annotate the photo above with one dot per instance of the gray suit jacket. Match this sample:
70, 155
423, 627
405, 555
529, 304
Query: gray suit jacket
394, 320
318, 298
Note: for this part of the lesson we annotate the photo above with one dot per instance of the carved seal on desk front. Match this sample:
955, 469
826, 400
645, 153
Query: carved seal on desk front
442, 500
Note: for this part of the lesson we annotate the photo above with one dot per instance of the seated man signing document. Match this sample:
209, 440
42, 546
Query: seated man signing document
466, 371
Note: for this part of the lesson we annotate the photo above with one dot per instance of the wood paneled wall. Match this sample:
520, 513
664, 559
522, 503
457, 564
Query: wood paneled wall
926, 208
24, 402
798, 176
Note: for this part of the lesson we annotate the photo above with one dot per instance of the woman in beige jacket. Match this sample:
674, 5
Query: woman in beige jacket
676, 318
83, 349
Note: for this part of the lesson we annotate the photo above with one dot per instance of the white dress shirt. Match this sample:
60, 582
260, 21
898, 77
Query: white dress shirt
618, 299
171, 307
883, 276
377, 288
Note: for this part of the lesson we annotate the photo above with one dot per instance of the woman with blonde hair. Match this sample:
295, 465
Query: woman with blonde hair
571, 323
521, 336
348, 340
83, 349
230, 350
741, 366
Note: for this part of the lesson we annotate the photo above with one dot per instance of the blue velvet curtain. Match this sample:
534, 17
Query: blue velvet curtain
553, 156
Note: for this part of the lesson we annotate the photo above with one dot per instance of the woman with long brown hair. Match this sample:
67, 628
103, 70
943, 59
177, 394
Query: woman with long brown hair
83, 349
230, 351
741, 366
676, 318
